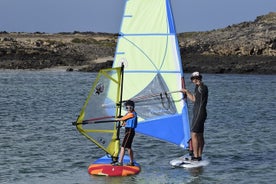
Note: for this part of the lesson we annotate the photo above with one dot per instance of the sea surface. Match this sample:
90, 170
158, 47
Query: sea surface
38, 144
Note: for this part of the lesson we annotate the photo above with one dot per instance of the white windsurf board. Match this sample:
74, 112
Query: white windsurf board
185, 162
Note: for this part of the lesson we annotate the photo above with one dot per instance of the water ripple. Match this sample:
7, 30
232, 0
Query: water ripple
39, 144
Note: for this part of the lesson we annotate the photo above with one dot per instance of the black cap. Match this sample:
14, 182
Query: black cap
129, 103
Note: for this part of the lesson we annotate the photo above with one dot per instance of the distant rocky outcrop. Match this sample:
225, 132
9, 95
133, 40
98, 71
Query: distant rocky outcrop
40, 50
248, 47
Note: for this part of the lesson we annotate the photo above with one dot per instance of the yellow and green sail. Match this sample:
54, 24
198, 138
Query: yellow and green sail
153, 75
102, 106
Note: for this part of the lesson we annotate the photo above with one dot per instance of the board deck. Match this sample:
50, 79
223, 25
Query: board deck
103, 167
185, 162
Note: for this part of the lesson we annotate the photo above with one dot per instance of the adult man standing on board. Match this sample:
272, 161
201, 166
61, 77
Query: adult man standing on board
200, 98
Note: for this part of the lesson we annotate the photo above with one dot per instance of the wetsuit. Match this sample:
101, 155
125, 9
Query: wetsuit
199, 109
131, 123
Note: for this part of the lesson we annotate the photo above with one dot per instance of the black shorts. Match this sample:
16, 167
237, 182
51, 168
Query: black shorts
198, 125
129, 135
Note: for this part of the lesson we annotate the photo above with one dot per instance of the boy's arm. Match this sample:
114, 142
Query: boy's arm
127, 116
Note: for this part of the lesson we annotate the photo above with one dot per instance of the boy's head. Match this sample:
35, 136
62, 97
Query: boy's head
129, 105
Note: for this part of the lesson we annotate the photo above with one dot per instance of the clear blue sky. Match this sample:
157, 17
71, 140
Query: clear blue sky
52, 16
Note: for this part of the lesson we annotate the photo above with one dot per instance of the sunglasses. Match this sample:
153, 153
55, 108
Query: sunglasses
129, 107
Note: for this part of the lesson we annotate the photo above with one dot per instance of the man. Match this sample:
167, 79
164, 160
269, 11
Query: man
129, 121
200, 98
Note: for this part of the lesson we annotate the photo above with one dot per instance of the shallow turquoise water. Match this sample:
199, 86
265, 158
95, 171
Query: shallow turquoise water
39, 144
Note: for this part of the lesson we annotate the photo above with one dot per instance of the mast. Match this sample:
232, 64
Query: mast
118, 124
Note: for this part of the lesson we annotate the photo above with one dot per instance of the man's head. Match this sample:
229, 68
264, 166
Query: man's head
196, 75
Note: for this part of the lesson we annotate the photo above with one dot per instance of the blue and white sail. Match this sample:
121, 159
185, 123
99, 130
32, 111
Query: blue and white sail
153, 75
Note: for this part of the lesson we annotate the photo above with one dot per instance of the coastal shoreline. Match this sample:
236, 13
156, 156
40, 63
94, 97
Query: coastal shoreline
212, 65
206, 64
244, 48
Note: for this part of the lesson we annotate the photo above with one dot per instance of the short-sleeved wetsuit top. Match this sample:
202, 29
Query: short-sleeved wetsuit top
131, 124
131, 119
199, 110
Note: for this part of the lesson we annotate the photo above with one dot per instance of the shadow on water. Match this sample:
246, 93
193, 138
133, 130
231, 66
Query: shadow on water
195, 172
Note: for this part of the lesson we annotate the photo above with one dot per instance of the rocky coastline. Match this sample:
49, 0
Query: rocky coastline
244, 48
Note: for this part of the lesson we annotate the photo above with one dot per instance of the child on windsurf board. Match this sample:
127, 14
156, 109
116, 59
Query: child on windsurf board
129, 121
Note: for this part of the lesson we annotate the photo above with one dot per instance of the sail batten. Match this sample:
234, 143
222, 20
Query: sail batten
144, 34
151, 71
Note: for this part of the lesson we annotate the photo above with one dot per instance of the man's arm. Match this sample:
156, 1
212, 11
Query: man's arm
190, 95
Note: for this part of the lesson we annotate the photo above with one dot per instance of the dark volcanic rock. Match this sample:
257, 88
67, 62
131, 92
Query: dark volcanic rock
230, 64
248, 47
97, 66
38, 51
